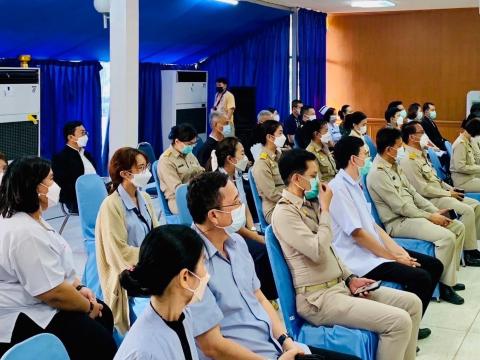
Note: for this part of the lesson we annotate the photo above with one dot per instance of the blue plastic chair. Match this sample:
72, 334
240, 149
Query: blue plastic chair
420, 246
91, 192
361, 343
437, 165
38, 347
258, 201
371, 146
198, 146
170, 218
147, 148
183, 212
448, 146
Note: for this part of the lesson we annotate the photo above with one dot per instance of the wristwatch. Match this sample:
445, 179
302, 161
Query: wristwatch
80, 287
283, 337
349, 279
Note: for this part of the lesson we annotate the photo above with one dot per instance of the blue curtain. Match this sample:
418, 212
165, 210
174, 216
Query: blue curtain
69, 91
312, 59
260, 60
150, 102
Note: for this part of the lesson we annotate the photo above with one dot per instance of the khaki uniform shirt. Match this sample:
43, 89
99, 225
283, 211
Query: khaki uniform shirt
464, 165
394, 197
175, 169
420, 173
326, 163
305, 236
268, 180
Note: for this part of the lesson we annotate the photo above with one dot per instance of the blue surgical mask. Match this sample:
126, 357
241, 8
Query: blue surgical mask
313, 192
403, 113
227, 129
367, 165
433, 115
187, 149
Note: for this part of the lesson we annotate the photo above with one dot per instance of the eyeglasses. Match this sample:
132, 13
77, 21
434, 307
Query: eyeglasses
236, 203
142, 168
83, 133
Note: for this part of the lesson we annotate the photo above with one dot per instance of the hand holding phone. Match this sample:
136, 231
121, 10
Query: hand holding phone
371, 287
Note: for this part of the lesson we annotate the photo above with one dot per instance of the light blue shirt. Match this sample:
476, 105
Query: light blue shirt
150, 338
238, 180
230, 300
136, 228
349, 211
334, 130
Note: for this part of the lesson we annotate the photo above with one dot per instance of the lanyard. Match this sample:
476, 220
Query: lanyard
220, 99
142, 219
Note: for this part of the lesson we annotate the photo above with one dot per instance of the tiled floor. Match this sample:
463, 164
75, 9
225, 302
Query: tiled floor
455, 329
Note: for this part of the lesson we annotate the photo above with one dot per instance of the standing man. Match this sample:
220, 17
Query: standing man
405, 213
220, 127
225, 103
293, 121
72, 162
424, 179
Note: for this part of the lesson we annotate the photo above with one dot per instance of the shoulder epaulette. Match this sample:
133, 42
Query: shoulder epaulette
168, 153
264, 156
412, 156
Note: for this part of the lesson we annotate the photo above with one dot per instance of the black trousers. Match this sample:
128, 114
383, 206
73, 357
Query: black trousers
83, 337
332, 355
263, 268
420, 280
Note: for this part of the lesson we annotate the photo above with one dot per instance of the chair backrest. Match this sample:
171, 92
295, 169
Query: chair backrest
147, 148
163, 201
437, 165
284, 284
198, 146
374, 211
448, 146
371, 146
39, 347
91, 192
257, 200
181, 198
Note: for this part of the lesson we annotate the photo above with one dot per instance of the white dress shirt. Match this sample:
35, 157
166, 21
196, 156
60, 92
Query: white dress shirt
350, 211
87, 165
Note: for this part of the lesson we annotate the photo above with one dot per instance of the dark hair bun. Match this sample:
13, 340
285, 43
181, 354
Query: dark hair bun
173, 133
131, 284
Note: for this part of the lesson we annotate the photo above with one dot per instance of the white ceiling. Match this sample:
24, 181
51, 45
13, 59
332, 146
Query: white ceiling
343, 6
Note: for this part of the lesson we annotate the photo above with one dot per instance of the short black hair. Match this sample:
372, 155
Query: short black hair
345, 148
203, 194
267, 128
394, 103
387, 137
69, 128
413, 110
165, 251
222, 80
294, 162
18, 190
426, 106
296, 102
308, 130
305, 108
468, 118
343, 111
353, 118
391, 112
473, 127
475, 108
182, 132
409, 129
225, 148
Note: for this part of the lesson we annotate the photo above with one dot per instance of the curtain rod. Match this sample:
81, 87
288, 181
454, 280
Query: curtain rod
269, 4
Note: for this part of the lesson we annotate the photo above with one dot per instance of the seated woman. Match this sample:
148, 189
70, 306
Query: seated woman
465, 161
126, 216
329, 115
39, 290
231, 160
265, 170
171, 270
317, 131
177, 165
344, 111
356, 125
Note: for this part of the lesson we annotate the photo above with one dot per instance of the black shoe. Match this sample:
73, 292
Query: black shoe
424, 333
418, 349
449, 295
470, 260
458, 287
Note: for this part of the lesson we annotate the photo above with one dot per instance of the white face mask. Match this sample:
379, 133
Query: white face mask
141, 180
82, 141
400, 153
280, 140
333, 118
419, 116
200, 290
403, 113
363, 130
242, 163
326, 138
238, 220
312, 117
53, 194
423, 141
433, 114
276, 117
399, 121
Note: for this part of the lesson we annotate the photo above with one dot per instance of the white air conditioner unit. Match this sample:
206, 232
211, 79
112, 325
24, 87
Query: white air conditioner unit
19, 112
184, 100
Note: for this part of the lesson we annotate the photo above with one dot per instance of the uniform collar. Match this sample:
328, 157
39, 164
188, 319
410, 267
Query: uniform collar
175, 152
295, 200
272, 155
127, 200
412, 150
210, 249
317, 148
345, 176
381, 161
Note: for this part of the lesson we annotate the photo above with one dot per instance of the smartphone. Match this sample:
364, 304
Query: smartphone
452, 214
372, 287
309, 357
459, 190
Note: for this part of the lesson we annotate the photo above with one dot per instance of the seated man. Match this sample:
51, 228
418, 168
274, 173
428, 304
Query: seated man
324, 285
234, 320
220, 127
405, 213
363, 245
307, 114
71, 163
423, 177
264, 115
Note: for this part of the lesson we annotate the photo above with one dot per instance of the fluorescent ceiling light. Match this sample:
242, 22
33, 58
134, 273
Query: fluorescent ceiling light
231, 2
371, 3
